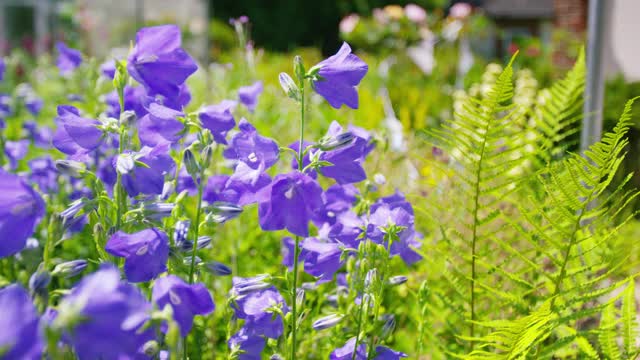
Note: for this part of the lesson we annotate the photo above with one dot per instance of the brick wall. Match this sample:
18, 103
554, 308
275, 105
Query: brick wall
571, 14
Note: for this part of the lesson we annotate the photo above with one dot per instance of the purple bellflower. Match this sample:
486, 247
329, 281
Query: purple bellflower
249, 346
322, 259
158, 61
44, 174
248, 95
134, 99
257, 152
21, 208
186, 300
254, 306
75, 135
346, 352
347, 160
68, 59
146, 253
218, 119
145, 180
20, 335
102, 317
385, 353
339, 75
160, 126
290, 201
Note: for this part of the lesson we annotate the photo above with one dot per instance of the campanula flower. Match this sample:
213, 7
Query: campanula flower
218, 119
186, 300
257, 152
160, 126
134, 99
102, 316
21, 208
145, 180
385, 353
41, 135
20, 335
306, 160
248, 95
68, 59
146, 253
339, 76
43, 173
347, 160
337, 199
247, 346
33, 104
322, 259
76, 135
255, 308
158, 61
346, 352
384, 215
108, 68
290, 201
16, 151
234, 190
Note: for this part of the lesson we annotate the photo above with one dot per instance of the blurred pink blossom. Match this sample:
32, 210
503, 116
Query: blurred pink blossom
349, 23
415, 13
460, 10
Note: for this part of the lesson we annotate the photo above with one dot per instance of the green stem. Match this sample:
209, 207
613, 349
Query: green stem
120, 193
296, 252
358, 329
194, 250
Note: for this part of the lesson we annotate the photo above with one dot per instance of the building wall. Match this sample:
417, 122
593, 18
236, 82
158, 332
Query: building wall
622, 39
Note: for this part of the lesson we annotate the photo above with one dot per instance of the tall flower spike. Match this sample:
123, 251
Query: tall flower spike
158, 60
146, 253
21, 208
339, 75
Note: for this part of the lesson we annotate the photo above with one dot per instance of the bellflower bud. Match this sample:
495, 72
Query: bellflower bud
327, 322
298, 68
69, 268
397, 280
336, 142
190, 163
289, 86
71, 168
127, 117
389, 325
300, 297
207, 155
217, 268
39, 281
125, 163
221, 211
151, 348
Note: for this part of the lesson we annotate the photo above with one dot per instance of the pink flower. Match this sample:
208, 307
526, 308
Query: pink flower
415, 13
349, 23
460, 10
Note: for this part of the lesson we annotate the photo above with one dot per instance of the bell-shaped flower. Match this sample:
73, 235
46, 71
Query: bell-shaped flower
322, 259
76, 135
158, 60
145, 252
218, 119
346, 161
186, 300
248, 95
148, 179
289, 202
160, 126
249, 147
20, 334
339, 76
385, 353
68, 59
346, 352
256, 308
102, 317
246, 345
21, 208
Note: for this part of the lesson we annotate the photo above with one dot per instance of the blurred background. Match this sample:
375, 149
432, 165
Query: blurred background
425, 55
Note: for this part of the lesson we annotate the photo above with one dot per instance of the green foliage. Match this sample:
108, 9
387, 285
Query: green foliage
527, 242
